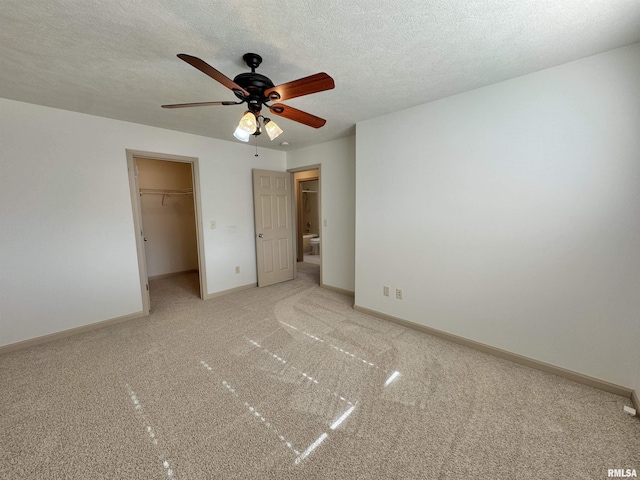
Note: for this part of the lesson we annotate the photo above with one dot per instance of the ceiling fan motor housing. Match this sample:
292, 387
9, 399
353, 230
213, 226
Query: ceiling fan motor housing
255, 84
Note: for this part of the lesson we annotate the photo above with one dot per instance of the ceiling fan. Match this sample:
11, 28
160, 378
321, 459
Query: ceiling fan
257, 91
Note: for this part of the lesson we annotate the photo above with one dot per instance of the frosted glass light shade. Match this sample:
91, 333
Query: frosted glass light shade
248, 122
241, 134
273, 130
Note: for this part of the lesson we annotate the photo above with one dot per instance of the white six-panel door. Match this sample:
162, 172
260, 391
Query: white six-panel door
274, 228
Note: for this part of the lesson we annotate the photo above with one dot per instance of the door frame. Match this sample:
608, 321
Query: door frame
295, 216
137, 218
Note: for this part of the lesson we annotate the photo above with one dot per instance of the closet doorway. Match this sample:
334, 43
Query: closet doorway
167, 222
307, 188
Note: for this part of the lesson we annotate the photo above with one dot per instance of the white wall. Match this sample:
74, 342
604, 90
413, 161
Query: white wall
169, 221
67, 245
512, 216
337, 160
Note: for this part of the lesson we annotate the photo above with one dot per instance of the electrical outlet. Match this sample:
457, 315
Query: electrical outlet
237, 269
385, 290
213, 224
324, 222
399, 293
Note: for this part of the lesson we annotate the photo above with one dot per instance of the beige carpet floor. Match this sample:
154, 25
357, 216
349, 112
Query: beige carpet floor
310, 271
290, 382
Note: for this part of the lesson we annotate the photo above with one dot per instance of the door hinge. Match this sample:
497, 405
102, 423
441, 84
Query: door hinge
147, 287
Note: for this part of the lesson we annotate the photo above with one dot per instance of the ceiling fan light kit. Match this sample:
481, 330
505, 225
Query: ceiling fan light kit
250, 125
248, 122
256, 91
272, 128
241, 134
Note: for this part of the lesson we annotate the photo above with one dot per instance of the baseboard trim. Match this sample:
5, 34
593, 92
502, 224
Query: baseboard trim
32, 342
513, 357
209, 296
635, 400
173, 274
339, 290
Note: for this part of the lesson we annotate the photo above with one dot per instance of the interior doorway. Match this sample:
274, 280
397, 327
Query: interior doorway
167, 220
307, 186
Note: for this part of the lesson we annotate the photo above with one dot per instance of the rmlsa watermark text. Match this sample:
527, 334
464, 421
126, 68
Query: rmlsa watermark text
622, 473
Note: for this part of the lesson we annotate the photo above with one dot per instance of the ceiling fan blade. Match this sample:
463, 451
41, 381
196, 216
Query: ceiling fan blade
199, 104
207, 69
297, 115
303, 86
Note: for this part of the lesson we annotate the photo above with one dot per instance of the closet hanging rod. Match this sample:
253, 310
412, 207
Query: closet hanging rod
157, 191
309, 191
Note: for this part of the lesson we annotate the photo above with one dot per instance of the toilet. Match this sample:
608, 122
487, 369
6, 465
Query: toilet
315, 245
306, 243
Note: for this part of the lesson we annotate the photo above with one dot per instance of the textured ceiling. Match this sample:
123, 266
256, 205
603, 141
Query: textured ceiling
117, 58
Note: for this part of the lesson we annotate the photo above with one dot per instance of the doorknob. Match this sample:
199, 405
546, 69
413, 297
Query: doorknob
260, 235
145, 239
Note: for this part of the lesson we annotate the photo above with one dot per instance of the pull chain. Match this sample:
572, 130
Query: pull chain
256, 146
